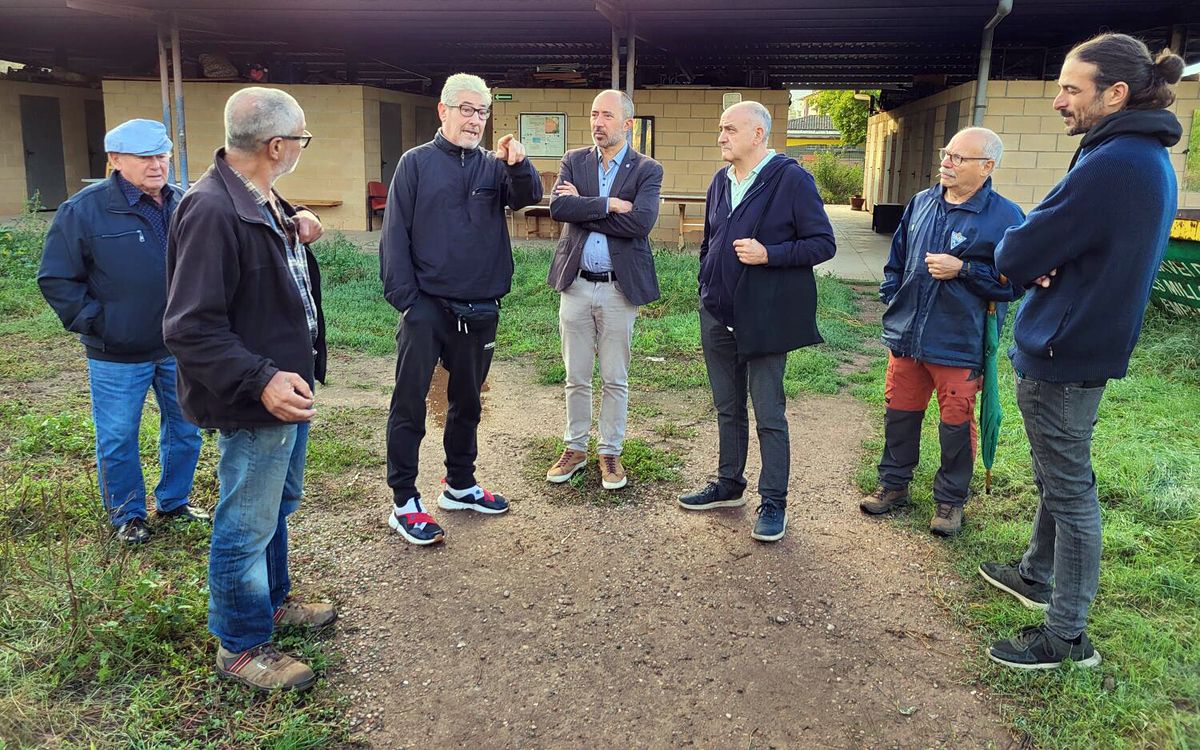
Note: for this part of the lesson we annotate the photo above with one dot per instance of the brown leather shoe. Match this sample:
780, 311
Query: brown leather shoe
294, 614
264, 668
612, 473
947, 519
568, 464
883, 500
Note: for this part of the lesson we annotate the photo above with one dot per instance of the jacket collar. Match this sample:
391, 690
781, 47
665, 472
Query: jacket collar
975, 204
628, 161
243, 202
444, 143
119, 203
1160, 124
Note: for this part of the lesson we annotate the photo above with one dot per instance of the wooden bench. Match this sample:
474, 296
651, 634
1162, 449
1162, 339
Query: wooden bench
314, 202
683, 202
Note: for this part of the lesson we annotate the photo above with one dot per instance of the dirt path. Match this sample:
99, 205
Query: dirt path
640, 626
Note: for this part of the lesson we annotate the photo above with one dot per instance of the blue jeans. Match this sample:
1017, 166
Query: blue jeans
262, 478
118, 395
1065, 547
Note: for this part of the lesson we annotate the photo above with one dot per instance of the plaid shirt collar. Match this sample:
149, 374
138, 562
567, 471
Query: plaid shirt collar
251, 188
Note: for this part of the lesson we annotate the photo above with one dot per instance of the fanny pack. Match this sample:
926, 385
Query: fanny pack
473, 313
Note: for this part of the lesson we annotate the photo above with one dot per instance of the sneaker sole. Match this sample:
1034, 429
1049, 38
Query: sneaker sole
615, 485
446, 503
302, 686
1031, 604
772, 537
945, 532
1092, 661
409, 537
734, 503
560, 478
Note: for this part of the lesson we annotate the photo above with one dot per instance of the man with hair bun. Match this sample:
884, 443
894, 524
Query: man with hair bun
1088, 253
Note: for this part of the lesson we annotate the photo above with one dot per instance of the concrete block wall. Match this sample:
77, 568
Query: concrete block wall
685, 133
333, 167
13, 192
1037, 151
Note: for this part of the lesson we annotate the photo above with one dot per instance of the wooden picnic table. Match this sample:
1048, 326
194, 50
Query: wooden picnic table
683, 200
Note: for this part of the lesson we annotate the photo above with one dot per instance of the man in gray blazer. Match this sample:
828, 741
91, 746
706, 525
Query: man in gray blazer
607, 198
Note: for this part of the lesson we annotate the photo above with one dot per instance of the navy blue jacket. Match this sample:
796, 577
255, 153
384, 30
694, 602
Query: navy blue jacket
444, 231
772, 308
1105, 228
941, 322
104, 272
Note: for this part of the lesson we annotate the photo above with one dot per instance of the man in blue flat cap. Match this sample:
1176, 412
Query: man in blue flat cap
103, 271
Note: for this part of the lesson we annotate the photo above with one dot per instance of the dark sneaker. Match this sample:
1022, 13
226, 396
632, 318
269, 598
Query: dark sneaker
417, 528
947, 519
712, 496
883, 500
484, 502
186, 512
772, 522
1008, 578
297, 615
264, 668
1037, 648
133, 531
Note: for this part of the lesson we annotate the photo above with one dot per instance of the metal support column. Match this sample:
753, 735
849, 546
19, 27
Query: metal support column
181, 133
630, 56
163, 74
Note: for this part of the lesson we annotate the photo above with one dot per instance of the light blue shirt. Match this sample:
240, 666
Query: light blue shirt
738, 190
595, 252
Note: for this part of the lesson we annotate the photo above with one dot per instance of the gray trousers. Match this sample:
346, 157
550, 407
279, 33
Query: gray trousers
594, 318
762, 377
1065, 546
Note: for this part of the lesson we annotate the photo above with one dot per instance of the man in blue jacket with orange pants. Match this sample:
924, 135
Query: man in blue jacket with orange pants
938, 281
1089, 252
764, 230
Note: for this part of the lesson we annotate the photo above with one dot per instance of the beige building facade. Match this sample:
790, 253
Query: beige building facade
902, 144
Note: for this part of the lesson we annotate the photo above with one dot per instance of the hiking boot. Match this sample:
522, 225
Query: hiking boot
570, 463
1008, 578
264, 668
947, 519
712, 496
772, 522
612, 473
186, 512
480, 502
133, 531
883, 500
296, 615
417, 528
1037, 648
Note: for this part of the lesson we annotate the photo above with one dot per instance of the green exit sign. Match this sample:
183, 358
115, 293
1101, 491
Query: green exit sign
503, 97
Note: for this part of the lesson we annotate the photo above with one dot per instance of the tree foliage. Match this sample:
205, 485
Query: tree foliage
849, 115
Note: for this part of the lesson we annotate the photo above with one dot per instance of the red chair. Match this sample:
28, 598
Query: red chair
376, 202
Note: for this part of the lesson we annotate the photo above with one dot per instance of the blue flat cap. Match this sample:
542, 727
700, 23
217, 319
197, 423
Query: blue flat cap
138, 137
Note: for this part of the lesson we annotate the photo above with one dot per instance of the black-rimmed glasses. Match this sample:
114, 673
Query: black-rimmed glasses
468, 111
958, 159
303, 139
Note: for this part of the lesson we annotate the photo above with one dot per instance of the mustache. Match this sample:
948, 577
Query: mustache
947, 172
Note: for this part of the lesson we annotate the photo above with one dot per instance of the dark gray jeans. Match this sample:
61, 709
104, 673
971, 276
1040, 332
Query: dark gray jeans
729, 381
1065, 547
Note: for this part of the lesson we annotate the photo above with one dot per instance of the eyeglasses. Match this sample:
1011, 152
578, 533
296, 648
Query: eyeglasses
304, 139
469, 111
958, 159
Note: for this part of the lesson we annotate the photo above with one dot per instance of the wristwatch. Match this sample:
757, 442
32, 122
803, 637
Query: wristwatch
965, 270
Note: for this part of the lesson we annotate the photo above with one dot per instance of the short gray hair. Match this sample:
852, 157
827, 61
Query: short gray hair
757, 112
626, 103
993, 147
255, 114
460, 83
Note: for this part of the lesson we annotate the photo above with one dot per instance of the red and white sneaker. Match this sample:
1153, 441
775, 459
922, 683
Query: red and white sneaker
481, 502
417, 528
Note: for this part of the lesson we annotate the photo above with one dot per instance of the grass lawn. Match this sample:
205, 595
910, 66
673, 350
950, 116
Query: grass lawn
100, 645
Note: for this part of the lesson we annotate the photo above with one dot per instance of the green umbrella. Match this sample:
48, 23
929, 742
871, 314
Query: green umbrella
989, 402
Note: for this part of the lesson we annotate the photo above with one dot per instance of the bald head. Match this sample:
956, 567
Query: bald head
967, 162
745, 130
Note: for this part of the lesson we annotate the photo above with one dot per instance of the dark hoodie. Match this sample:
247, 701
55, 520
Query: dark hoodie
1104, 227
772, 308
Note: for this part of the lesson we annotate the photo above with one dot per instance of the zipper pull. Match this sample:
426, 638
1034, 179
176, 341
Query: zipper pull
141, 237
462, 157
1051, 350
